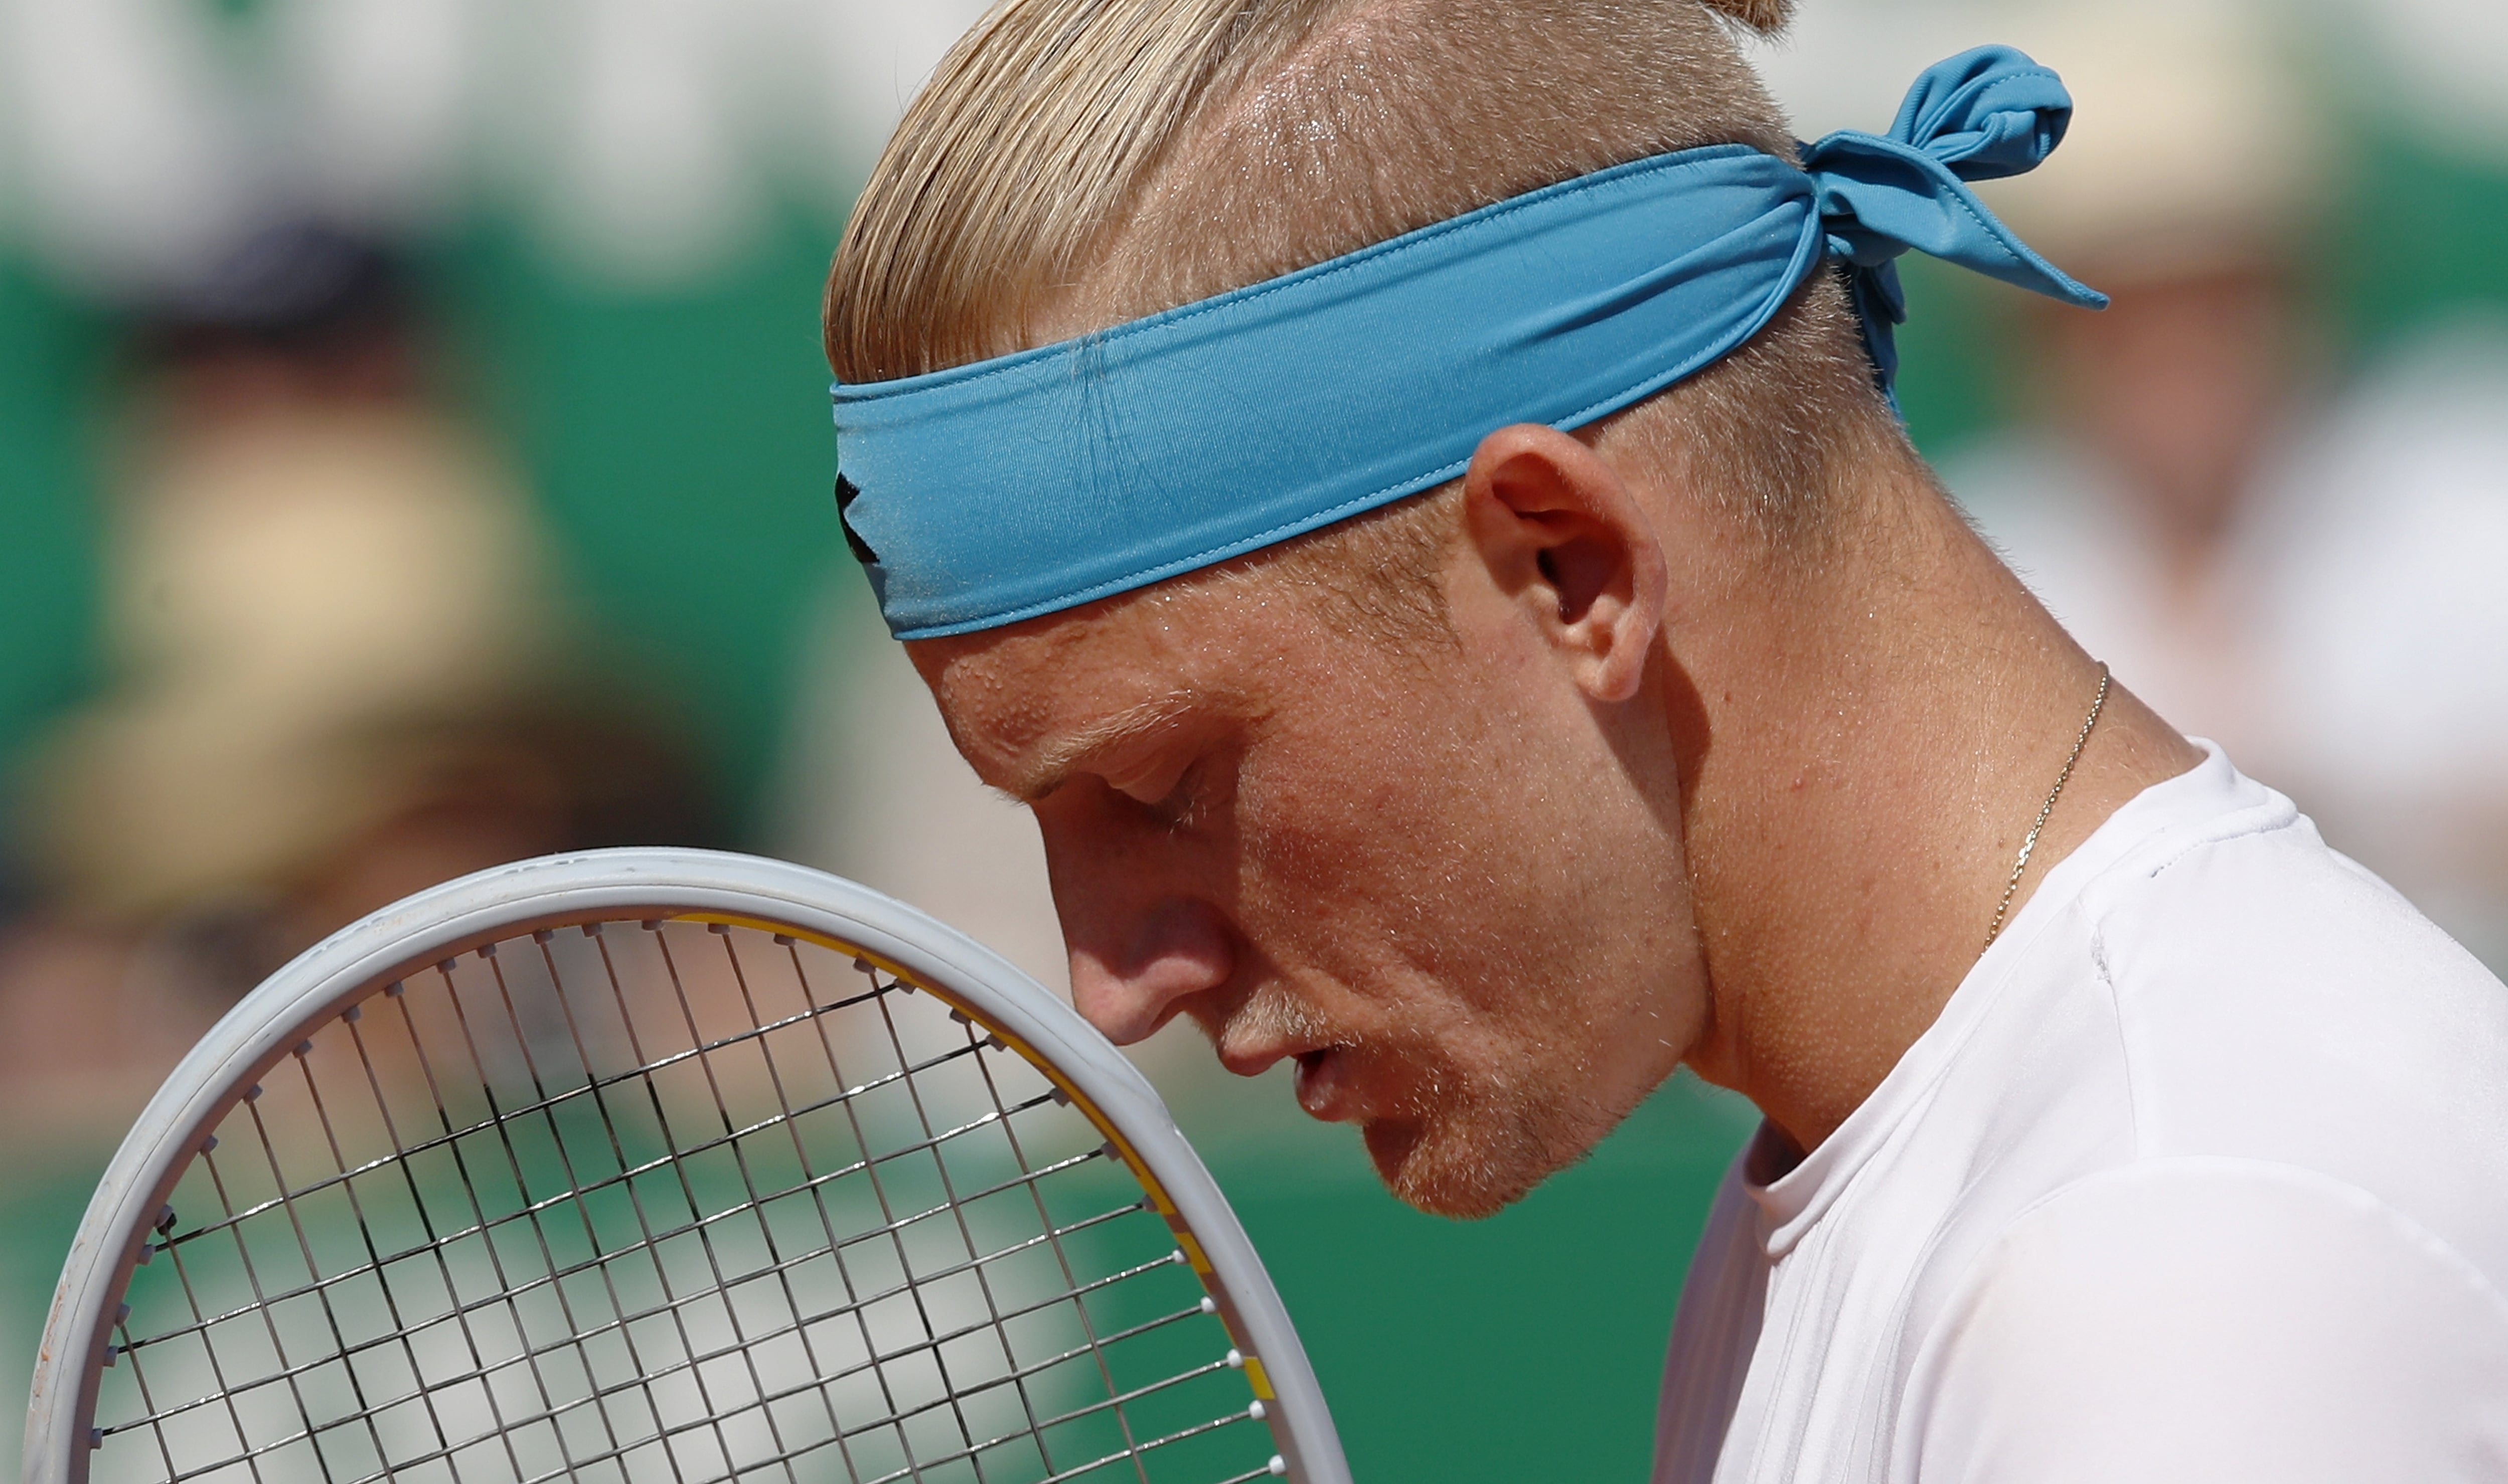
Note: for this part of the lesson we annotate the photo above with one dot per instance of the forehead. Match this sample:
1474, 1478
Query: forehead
1028, 692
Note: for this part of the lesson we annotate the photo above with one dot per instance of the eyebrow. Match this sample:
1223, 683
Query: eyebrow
1056, 761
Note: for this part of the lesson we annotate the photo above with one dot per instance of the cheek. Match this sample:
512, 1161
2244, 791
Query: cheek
1494, 882
1339, 822
1389, 851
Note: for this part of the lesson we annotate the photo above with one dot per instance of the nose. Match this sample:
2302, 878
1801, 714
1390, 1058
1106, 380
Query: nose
1128, 978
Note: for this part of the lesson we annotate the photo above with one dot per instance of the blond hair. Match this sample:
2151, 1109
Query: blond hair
1076, 163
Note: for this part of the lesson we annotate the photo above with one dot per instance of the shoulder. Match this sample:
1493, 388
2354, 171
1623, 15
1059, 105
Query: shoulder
2213, 1318
2263, 924
2256, 887
2274, 1001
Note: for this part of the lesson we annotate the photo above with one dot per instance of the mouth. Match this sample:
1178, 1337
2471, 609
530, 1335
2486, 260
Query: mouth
1328, 1067
1323, 1086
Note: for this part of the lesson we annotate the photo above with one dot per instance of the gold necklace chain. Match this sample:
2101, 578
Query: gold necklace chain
2098, 703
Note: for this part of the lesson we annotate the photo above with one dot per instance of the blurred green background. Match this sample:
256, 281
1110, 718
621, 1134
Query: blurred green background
677, 440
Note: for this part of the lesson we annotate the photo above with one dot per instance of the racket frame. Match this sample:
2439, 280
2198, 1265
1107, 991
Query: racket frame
706, 886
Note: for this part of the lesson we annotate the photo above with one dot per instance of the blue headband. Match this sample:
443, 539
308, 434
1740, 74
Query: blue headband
995, 492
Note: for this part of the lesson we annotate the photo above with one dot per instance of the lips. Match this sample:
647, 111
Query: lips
1323, 1086
1267, 1030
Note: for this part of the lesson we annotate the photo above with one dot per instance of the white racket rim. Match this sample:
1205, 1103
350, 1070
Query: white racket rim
673, 884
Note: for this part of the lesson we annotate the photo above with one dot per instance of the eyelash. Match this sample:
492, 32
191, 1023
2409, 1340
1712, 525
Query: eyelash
1180, 808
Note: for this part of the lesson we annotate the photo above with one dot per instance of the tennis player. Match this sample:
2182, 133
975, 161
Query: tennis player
1408, 491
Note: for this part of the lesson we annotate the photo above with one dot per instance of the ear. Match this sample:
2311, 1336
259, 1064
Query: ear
1556, 529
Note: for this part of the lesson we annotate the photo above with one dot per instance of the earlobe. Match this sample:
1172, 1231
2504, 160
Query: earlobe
1558, 532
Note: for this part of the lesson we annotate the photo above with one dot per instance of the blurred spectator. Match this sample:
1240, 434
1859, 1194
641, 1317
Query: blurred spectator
334, 679
2305, 574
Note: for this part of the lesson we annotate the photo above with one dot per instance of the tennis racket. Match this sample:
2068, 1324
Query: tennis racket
654, 1167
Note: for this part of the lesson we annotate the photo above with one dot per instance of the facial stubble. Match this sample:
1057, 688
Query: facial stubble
1450, 1143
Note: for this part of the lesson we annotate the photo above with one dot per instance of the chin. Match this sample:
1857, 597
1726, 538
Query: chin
1447, 1166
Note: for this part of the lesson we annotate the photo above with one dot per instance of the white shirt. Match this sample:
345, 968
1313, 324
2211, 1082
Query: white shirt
2201, 1175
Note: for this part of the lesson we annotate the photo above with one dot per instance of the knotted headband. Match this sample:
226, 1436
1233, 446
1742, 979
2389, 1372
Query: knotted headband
1035, 482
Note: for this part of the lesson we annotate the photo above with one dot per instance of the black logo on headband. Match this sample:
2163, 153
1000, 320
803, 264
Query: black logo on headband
847, 491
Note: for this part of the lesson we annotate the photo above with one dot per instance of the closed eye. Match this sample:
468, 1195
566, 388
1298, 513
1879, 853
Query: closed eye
1182, 804
1179, 807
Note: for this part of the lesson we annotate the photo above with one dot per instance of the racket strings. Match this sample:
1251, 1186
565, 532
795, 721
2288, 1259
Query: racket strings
644, 1375
651, 1237
558, 1275
159, 1414
337, 1279
628, 1174
451, 1134
1023, 1373
581, 1259
984, 1284
1062, 1259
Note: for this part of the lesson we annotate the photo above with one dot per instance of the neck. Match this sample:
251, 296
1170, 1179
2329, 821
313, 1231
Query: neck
1879, 735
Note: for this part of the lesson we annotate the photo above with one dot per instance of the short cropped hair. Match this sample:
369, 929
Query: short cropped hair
1109, 159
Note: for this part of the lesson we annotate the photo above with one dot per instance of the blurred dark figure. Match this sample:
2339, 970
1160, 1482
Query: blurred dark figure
337, 676
2306, 572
